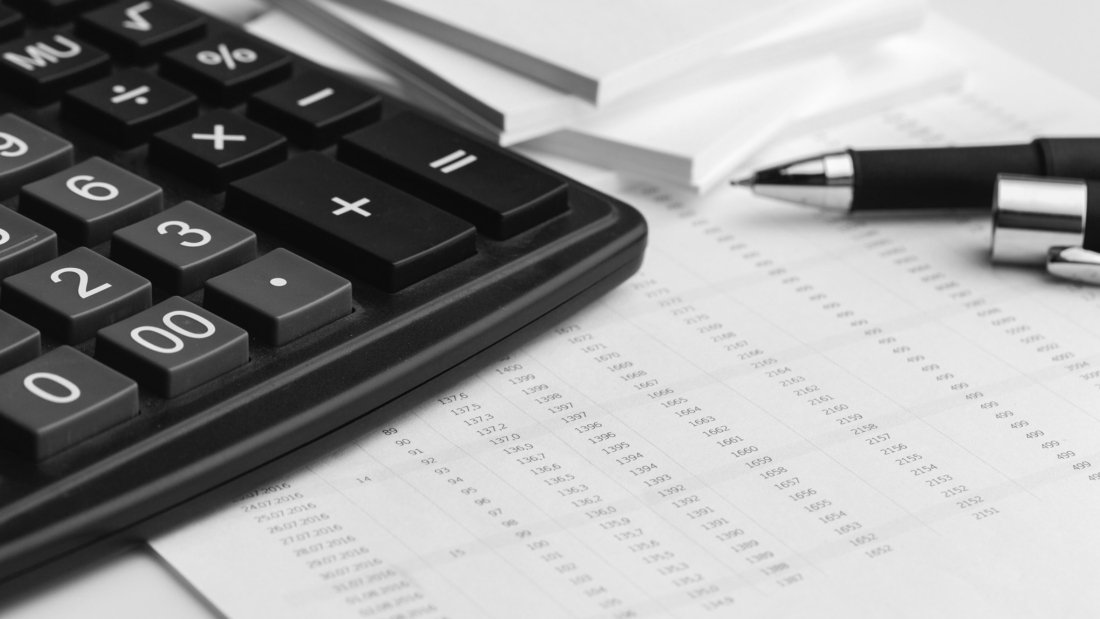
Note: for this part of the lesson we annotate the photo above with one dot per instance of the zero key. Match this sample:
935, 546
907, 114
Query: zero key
499, 193
60, 399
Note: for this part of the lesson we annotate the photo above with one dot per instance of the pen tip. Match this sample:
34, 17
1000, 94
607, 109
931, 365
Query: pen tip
743, 182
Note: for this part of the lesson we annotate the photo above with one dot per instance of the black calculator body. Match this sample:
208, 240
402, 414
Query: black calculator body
216, 255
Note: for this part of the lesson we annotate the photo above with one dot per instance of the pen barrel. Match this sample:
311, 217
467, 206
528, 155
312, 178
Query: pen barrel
937, 178
1070, 157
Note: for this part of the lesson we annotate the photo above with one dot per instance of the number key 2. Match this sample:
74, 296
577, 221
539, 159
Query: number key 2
74, 295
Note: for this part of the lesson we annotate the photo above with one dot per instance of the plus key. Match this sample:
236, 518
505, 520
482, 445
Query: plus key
356, 222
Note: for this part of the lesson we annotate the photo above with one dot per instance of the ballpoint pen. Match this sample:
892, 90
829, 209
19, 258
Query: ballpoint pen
921, 178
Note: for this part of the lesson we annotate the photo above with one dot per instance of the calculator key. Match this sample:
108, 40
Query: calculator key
60, 399
359, 223
218, 147
23, 243
129, 106
27, 153
279, 297
182, 247
314, 109
53, 11
481, 183
139, 31
41, 66
224, 69
90, 200
11, 23
74, 295
173, 347
19, 342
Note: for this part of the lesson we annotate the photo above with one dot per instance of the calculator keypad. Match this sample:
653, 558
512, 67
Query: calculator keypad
226, 117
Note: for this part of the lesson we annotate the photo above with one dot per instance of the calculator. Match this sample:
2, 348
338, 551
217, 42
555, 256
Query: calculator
215, 254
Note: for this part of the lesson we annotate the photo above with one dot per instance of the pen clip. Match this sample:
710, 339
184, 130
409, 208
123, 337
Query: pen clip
1074, 263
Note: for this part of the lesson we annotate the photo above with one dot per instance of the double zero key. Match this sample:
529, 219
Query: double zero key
382, 234
173, 347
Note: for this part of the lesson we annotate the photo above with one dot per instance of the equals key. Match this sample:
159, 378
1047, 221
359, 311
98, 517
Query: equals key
454, 161
497, 192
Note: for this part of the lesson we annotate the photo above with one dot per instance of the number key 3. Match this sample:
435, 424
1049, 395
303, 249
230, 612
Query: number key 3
183, 247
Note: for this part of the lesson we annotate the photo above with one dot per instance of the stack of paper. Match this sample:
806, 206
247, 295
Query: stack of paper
684, 95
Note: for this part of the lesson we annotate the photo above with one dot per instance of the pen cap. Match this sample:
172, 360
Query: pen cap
1032, 214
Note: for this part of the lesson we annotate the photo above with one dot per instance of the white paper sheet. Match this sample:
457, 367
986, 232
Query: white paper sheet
785, 414
520, 108
696, 137
599, 51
